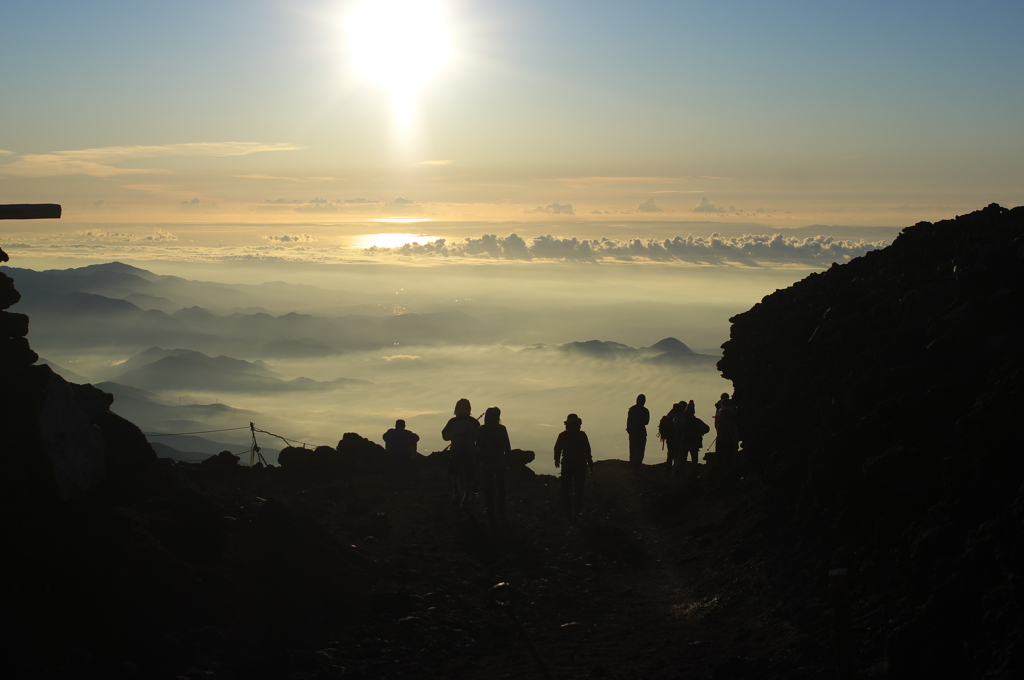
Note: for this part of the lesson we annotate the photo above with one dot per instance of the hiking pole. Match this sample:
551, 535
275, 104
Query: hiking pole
501, 595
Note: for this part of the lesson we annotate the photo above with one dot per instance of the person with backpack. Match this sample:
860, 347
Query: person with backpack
669, 437
461, 432
694, 430
727, 433
492, 452
636, 426
573, 456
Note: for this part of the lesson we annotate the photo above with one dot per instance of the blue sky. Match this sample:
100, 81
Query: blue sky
792, 113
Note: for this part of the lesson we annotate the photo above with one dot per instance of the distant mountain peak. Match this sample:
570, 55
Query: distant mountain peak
672, 346
119, 267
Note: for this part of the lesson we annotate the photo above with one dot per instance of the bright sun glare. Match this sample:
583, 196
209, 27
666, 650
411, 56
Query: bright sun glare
399, 45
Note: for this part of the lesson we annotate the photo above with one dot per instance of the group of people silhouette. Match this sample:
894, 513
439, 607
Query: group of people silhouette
681, 432
479, 452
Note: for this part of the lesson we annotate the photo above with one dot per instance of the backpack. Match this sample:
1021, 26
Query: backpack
666, 428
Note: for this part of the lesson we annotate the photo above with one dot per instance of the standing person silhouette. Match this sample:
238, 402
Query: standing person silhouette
636, 425
492, 452
674, 438
461, 432
573, 456
726, 432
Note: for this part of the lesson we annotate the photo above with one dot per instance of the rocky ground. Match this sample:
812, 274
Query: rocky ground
374, 575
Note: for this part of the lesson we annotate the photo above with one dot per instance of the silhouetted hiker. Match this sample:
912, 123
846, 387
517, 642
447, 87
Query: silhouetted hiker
694, 430
636, 425
492, 451
400, 441
572, 454
461, 432
675, 440
727, 433
667, 433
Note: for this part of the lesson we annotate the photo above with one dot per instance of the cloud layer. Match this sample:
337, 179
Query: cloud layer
715, 249
98, 162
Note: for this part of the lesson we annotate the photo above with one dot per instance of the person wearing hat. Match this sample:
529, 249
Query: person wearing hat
572, 455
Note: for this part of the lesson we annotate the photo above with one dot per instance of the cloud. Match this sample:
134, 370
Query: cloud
259, 176
553, 209
280, 178
292, 238
314, 205
323, 205
195, 205
604, 181
706, 206
648, 206
402, 201
151, 188
158, 236
447, 162
97, 162
750, 250
5, 152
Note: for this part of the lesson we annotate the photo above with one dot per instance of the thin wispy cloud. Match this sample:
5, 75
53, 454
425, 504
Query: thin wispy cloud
157, 236
325, 205
98, 162
281, 178
150, 188
606, 180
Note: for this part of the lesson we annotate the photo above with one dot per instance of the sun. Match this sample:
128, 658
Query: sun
399, 45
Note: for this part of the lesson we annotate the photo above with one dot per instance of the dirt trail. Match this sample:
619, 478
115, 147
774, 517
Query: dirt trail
649, 583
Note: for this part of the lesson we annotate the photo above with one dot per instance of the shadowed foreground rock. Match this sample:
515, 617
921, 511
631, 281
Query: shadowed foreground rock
882, 401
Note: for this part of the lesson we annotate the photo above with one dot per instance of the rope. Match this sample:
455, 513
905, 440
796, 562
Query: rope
254, 450
177, 434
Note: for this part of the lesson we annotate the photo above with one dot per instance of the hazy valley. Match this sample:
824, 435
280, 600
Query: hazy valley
373, 343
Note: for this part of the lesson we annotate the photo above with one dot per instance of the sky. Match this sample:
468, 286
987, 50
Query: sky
591, 118
596, 170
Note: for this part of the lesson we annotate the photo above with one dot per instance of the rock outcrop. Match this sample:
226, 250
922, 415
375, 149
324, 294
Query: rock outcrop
881, 400
63, 442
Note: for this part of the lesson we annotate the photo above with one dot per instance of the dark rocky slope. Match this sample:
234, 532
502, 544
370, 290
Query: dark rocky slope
881, 400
